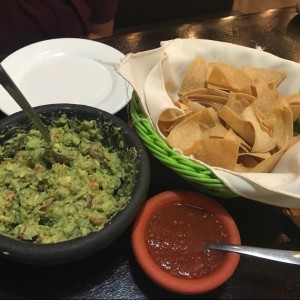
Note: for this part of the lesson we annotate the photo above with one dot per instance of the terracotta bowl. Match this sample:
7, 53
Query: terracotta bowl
157, 271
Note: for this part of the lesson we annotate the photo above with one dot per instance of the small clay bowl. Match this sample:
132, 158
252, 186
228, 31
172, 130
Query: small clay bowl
152, 253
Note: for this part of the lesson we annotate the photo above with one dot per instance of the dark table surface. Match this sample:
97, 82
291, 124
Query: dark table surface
113, 273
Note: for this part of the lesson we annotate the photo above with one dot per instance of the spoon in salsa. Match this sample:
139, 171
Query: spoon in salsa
49, 155
287, 256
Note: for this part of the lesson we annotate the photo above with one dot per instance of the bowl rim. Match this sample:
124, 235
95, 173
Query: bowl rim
72, 250
168, 281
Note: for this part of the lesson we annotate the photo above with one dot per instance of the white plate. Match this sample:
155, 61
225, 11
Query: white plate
67, 70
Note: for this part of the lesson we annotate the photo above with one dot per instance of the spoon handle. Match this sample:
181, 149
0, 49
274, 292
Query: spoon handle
17, 95
287, 256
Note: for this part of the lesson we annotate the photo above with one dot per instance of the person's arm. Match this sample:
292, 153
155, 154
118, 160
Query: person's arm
98, 30
102, 18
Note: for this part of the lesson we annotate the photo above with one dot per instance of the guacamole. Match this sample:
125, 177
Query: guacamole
48, 203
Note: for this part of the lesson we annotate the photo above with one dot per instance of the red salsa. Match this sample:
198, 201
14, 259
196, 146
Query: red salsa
175, 239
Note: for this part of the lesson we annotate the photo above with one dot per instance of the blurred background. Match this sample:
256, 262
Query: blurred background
136, 12
249, 6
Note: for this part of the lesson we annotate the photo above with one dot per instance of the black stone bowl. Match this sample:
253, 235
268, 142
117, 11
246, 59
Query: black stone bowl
76, 249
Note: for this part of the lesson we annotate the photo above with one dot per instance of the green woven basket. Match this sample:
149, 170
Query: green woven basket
196, 173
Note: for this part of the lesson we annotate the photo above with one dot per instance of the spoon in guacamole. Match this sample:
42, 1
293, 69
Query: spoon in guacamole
49, 155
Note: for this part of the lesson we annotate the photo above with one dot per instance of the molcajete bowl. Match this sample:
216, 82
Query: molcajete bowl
118, 138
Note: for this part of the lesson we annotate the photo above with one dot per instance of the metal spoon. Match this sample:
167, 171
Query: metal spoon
50, 156
287, 256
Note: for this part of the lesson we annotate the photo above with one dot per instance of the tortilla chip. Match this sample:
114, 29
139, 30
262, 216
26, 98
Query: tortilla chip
194, 76
244, 147
178, 137
266, 123
239, 101
206, 91
243, 128
218, 131
272, 77
195, 106
168, 119
215, 152
263, 141
227, 77
266, 98
283, 127
294, 102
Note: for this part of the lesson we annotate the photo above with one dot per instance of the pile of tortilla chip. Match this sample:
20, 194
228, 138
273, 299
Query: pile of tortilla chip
230, 117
